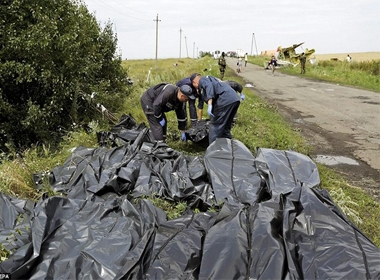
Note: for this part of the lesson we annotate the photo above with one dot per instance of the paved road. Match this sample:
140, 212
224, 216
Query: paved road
339, 121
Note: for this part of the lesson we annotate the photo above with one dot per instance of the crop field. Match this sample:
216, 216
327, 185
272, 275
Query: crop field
362, 56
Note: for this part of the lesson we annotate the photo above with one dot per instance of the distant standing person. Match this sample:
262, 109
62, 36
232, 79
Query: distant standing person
163, 98
245, 59
303, 63
348, 58
223, 103
273, 64
239, 64
222, 65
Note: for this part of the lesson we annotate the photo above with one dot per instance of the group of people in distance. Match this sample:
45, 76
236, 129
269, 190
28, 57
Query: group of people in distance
222, 99
273, 63
222, 63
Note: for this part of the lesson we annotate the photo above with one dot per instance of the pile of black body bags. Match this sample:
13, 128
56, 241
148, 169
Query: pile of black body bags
248, 216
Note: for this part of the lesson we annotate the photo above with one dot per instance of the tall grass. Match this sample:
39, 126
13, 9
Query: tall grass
16, 171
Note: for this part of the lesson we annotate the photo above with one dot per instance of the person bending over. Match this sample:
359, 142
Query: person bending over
162, 98
222, 105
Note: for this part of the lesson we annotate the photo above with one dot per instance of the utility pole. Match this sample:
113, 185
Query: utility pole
255, 44
180, 41
253, 34
187, 51
156, 20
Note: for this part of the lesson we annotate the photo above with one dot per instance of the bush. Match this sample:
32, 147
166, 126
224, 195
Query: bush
53, 54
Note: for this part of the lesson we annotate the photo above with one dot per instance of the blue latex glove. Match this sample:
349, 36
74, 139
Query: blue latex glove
183, 136
242, 96
162, 122
209, 111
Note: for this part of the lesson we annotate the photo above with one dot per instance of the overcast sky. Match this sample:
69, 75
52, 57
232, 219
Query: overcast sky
187, 27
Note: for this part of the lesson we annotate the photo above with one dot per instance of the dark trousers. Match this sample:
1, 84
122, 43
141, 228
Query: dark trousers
222, 70
303, 70
192, 110
221, 123
158, 132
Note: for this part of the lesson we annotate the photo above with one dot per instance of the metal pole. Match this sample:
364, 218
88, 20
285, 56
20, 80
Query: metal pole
187, 51
253, 34
180, 41
156, 20
255, 44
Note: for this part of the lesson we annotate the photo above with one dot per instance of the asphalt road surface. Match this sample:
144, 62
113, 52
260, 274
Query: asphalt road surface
341, 123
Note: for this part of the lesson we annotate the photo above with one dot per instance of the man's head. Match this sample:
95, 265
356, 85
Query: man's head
195, 79
185, 93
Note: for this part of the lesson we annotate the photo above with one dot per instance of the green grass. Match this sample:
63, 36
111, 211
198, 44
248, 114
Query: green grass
16, 173
173, 210
258, 125
353, 200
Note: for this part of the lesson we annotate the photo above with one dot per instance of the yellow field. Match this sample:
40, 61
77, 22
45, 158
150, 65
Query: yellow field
363, 56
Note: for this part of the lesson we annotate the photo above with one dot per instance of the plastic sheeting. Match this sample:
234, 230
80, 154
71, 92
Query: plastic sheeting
272, 219
199, 133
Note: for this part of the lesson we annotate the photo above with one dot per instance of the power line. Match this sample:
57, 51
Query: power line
141, 12
115, 10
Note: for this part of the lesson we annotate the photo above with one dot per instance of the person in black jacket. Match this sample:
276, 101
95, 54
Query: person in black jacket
272, 64
163, 98
222, 105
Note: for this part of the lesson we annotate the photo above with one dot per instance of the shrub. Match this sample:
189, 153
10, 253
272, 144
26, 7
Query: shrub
52, 55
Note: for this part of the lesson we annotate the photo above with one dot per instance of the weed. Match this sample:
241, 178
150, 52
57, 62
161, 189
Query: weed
4, 253
345, 203
172, 210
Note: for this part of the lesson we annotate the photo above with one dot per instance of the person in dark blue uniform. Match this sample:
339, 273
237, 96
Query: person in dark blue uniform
197, 116
163, 98
237, 87
192, 107
222, 101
